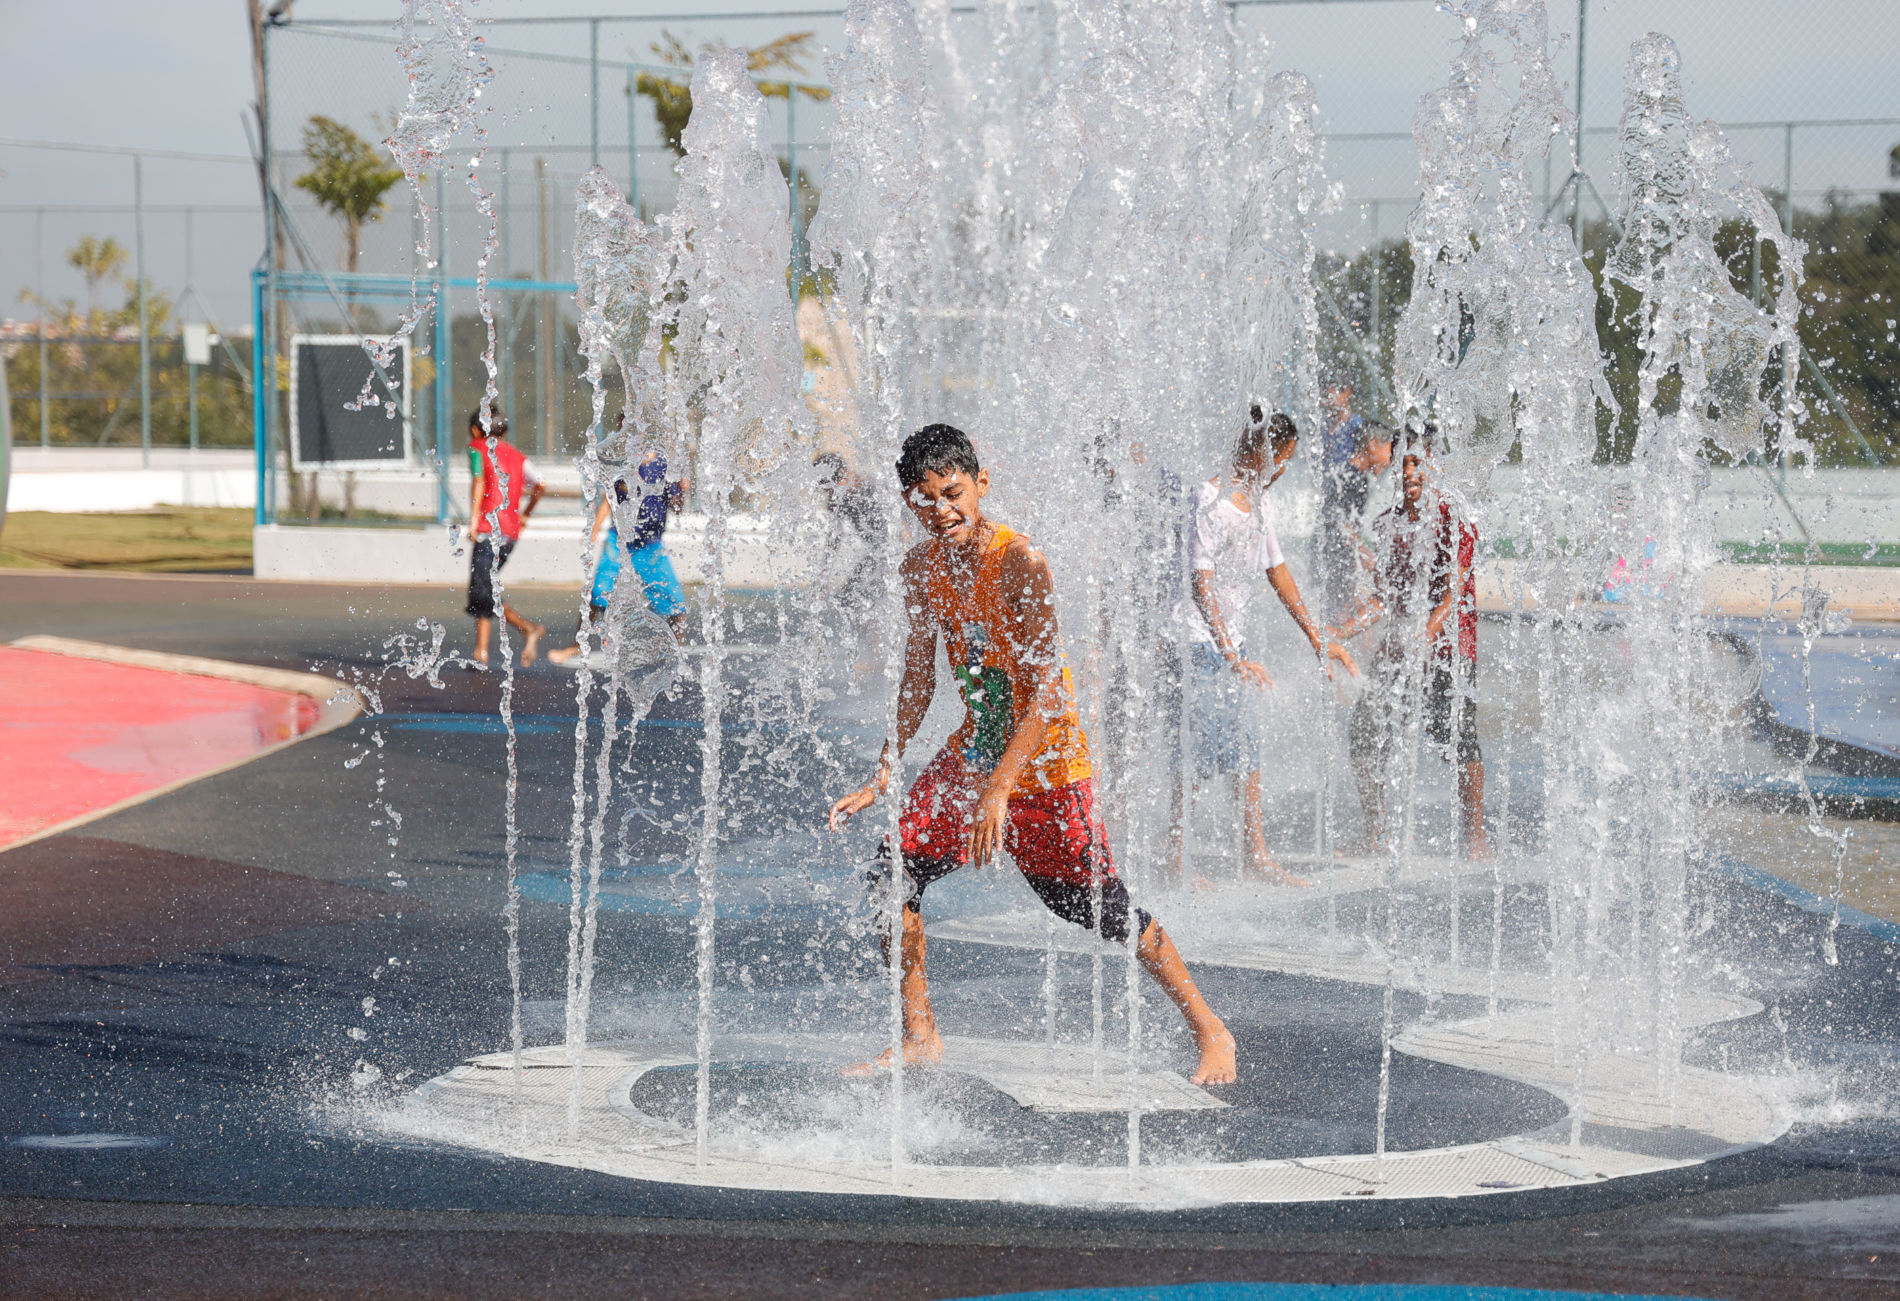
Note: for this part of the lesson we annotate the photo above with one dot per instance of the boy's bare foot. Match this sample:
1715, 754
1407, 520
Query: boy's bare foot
919, 1050
1274, 874
562, 654
1365, 848
531, 644
1217, 1057
476, 664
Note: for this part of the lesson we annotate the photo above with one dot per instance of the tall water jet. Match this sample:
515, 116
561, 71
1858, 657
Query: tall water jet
875, 236
620, 273
1704, 339
729, 396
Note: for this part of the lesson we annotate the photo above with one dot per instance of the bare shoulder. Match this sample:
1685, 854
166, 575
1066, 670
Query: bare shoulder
914, 563
1027, 579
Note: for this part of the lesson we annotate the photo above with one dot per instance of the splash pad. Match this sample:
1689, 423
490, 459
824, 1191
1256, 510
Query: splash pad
1012, 238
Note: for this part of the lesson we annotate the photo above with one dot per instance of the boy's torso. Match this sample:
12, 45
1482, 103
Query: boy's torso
507, 462
981, 641
1402, 581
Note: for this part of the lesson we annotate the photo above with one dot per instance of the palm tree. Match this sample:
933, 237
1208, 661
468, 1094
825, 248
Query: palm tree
348, 178
96, 259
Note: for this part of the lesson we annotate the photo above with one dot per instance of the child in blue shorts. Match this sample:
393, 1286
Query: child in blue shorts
644, 506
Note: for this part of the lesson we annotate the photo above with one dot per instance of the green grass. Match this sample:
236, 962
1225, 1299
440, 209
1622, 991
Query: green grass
168, 539
1875, 555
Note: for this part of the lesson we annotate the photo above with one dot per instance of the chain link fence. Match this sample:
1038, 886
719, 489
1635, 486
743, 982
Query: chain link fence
1824, 151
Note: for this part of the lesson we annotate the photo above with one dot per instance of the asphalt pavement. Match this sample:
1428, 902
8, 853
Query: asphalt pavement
183, 1094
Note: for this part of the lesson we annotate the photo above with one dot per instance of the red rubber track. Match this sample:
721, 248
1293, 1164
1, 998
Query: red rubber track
78, 735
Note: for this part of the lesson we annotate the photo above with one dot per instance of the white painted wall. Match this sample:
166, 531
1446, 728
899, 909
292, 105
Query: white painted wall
549, 552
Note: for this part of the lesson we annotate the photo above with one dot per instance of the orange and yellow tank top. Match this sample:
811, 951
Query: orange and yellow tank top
994, 681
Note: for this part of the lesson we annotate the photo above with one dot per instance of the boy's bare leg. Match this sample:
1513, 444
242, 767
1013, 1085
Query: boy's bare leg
1371, 783
531, 634
1163, 961
1471, 804
923, 1046
484, 629
1260, 864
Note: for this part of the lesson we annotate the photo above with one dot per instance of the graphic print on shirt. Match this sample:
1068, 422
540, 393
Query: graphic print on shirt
987, 697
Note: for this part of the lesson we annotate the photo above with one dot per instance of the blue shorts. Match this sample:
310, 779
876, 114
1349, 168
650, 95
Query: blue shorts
1223, 715
606, 569
665, 596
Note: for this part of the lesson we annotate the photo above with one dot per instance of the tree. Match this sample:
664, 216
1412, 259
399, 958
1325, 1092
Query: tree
673, 96
348, 178
96, 259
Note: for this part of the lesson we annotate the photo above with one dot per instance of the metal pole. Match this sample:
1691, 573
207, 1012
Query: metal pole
791, 167
1378, 299
39, 274
1787, 178
1576, 213
191, 371
503, 350
145, 334
633, 140
444, 372
593, 94
261, 389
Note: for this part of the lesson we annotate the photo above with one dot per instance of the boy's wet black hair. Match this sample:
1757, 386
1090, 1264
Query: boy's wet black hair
497, 422
1421, 437
1370, 434
935, 449
1260, 432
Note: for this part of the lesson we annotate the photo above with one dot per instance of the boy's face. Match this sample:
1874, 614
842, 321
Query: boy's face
1414, 476
946, 503
1282, 457
1375, 457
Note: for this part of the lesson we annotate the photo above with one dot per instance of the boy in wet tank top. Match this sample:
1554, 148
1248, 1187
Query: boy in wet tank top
1016, 775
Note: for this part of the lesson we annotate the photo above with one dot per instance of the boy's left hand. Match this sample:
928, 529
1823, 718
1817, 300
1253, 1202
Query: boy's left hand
1336, 652
986, 824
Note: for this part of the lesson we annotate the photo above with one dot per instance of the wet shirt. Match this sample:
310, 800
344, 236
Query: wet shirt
994, 678
1400, 585
1234, 545
505, 461
651, 497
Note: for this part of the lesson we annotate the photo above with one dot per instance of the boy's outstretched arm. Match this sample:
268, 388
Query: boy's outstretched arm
1029, 597
1208, 604
914, 693
1281, 580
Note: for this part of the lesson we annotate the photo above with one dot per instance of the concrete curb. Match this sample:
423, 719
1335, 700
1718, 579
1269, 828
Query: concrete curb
339, 701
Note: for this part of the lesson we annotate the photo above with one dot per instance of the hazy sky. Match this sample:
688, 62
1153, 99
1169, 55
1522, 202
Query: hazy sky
176, 76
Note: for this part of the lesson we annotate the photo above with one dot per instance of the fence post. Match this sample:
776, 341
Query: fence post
444, 373
1787, 179
39, 275
633, 141
1378, 300
791, 167
1576, 213
261, 389
593, 92
191, 371
145, 333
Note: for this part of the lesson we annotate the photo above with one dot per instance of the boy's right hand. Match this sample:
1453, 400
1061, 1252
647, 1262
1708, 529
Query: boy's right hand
1254, 672
856, 802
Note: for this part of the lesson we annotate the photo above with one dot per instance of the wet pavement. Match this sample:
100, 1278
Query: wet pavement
201, 998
